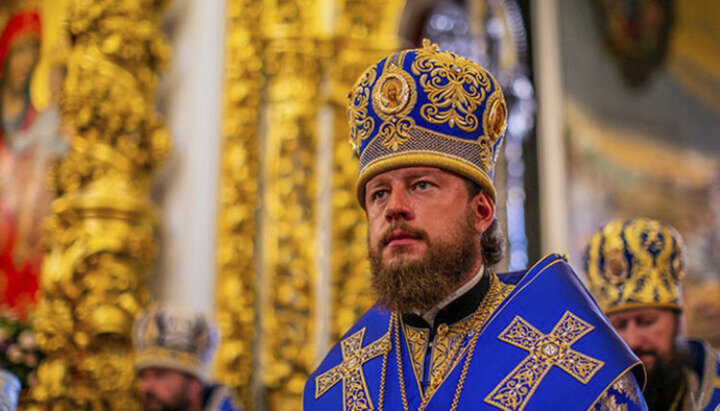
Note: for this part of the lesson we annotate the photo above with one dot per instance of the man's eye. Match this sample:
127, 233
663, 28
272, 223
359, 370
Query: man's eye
377, 195
422, 185
619, 325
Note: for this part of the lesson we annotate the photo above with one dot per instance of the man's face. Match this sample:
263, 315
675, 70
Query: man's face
649, 332
423, 236
163, 389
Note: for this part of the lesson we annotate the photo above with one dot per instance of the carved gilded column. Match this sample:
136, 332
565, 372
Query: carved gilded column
101, 241
367, 32
239, 177
289, 222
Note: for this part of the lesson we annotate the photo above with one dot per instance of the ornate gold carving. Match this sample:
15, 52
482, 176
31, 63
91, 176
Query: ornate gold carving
453, 85
365, 38
545, 351
356, 395
239, 198
100, 238
292, 64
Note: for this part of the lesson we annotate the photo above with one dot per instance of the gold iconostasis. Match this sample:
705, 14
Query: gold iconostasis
83, 140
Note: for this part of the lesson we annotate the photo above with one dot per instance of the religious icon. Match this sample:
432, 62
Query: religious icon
30, 143
637, 33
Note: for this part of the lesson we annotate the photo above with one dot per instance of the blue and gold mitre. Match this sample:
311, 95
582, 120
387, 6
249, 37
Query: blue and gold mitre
427, 107
635, 263
175, 338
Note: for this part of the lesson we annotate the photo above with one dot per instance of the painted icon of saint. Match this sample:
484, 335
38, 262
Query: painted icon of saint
29, 145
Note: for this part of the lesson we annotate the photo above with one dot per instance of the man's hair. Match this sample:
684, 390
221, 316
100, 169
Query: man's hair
492, 241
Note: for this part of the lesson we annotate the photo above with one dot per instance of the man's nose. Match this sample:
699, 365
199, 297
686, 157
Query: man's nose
632, 336
146, 385
398, 206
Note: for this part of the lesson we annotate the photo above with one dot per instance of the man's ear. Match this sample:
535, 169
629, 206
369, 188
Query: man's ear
483, 209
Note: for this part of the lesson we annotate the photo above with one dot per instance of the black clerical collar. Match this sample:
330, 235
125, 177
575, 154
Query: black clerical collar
457, 309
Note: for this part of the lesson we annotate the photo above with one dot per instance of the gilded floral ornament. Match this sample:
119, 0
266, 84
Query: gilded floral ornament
360, 124
453, 85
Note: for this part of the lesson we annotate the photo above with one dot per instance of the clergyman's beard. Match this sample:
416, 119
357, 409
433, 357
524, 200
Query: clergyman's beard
179, 402
665, 381
420, 284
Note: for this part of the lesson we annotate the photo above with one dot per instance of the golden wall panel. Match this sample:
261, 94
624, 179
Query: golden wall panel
289, 222
238, 202
280, 292
101, 240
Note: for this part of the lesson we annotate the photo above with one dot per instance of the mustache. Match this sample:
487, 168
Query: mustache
404, 227
646, 352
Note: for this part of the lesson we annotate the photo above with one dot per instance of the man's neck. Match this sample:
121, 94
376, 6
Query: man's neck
429, 316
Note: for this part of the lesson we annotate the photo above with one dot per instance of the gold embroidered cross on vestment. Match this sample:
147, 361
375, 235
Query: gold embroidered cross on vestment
545, 351
356, 395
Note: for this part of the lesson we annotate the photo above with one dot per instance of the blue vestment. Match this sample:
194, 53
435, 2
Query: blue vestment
705, 365
537, 341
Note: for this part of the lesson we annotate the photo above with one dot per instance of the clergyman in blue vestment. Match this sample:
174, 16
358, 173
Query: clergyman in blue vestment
635, 270
447, 332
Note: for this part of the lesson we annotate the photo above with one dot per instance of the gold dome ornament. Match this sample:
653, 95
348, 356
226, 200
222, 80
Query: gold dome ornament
635, 263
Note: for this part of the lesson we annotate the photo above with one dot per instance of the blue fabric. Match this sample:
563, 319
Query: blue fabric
219, 398
703, 353
619, 399
541, 297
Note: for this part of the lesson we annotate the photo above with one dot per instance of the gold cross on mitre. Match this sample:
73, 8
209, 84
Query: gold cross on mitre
546, 351
355, 392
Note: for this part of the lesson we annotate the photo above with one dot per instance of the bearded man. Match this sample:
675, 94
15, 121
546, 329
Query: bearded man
635, 269
448, 333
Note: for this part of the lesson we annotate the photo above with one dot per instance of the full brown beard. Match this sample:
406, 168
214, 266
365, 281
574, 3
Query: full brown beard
420, 284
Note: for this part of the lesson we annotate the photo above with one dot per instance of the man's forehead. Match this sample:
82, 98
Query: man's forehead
408, 172
156, 369
640, 312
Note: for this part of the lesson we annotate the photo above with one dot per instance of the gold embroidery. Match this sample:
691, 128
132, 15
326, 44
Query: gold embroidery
635, 263
609, 403
394, 132
497, 293
454, 85
356, 395
495, 116
649, 244
361, 125
394, 96
626, 386
417, 339
448, 349
394, 93
545, 351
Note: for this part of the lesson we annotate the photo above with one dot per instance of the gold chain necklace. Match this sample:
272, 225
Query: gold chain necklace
492, 299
